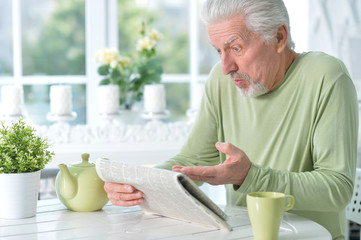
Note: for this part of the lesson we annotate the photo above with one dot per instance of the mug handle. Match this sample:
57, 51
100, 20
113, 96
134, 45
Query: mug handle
290, 203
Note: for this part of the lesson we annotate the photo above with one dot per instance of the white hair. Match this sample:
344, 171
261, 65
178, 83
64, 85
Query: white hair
262, 16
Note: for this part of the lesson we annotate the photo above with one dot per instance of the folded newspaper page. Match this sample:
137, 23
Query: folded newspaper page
165, 193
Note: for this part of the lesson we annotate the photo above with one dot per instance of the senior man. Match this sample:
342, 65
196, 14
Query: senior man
271, 119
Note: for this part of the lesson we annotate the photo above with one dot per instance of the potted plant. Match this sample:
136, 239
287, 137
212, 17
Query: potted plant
131, 71
22, 155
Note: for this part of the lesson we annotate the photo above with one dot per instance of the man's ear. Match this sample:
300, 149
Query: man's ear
281, 38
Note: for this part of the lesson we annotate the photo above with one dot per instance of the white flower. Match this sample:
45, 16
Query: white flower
107, 55
113, 64
124, 62
154, 34
145, 43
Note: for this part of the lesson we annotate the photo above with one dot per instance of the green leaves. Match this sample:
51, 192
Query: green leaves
115, 74
105, 81
21, 150
103, 70
131, 80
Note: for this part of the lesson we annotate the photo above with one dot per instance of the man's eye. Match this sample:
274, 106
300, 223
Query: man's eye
237, 49
219, 51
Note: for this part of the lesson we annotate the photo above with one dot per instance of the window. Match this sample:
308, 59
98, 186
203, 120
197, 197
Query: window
45, 45
48, 42
53, 37
6, 59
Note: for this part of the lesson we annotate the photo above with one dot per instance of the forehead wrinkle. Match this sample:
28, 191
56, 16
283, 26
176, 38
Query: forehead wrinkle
230, 40
245, 37
234, 27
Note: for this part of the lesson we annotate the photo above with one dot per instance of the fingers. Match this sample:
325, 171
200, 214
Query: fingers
117, 187
208, 179
189, 171
123, 194
177, 168
229, 149
232, 171
128, 200
210, 171
201, 174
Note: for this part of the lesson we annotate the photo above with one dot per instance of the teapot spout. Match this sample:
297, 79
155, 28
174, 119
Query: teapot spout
68, 183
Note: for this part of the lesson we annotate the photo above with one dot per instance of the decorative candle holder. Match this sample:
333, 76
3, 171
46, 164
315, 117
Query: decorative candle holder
154, 102
108, 100
61, 118
12, 101
61, 99
155, 115
12, 118
61, 104
108, 118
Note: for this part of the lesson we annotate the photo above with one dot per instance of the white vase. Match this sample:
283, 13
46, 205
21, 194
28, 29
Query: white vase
108, 99
154, 98
12, 99
61, 100
19, 194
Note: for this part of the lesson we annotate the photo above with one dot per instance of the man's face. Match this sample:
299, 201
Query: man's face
252, 64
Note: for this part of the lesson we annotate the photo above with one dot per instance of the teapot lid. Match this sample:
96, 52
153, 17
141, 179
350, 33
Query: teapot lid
85, 161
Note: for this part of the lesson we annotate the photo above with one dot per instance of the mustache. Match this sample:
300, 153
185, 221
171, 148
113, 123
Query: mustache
240, 75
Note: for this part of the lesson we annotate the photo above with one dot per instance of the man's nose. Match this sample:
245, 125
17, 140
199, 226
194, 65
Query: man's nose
228, 64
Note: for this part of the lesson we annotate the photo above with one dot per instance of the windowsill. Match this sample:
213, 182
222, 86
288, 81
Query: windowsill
148, 143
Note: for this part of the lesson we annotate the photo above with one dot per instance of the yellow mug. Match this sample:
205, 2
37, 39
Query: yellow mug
265, 211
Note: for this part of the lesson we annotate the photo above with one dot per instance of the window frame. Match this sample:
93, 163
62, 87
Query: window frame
101, 26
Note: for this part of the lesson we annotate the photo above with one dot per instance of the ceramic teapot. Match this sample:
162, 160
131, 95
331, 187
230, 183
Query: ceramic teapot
79, 188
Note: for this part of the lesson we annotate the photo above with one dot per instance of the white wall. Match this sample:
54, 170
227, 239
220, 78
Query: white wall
298, 14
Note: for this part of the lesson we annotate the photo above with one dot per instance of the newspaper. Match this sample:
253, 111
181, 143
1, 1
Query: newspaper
165, 193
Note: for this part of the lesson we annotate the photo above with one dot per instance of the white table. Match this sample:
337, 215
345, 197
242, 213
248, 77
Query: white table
54, 221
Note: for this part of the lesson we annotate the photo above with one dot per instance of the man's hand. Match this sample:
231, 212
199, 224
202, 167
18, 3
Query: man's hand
123, 194
233, 171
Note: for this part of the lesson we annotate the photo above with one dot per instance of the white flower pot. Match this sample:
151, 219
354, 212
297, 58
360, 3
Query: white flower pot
19, 194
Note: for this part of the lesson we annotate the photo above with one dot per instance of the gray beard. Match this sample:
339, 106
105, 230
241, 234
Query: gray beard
254, 90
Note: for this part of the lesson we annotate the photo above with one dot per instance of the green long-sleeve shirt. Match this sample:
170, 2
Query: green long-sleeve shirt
301, 137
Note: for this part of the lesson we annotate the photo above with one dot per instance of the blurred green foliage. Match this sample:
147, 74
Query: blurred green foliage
5, 68
59, 47
173, 49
